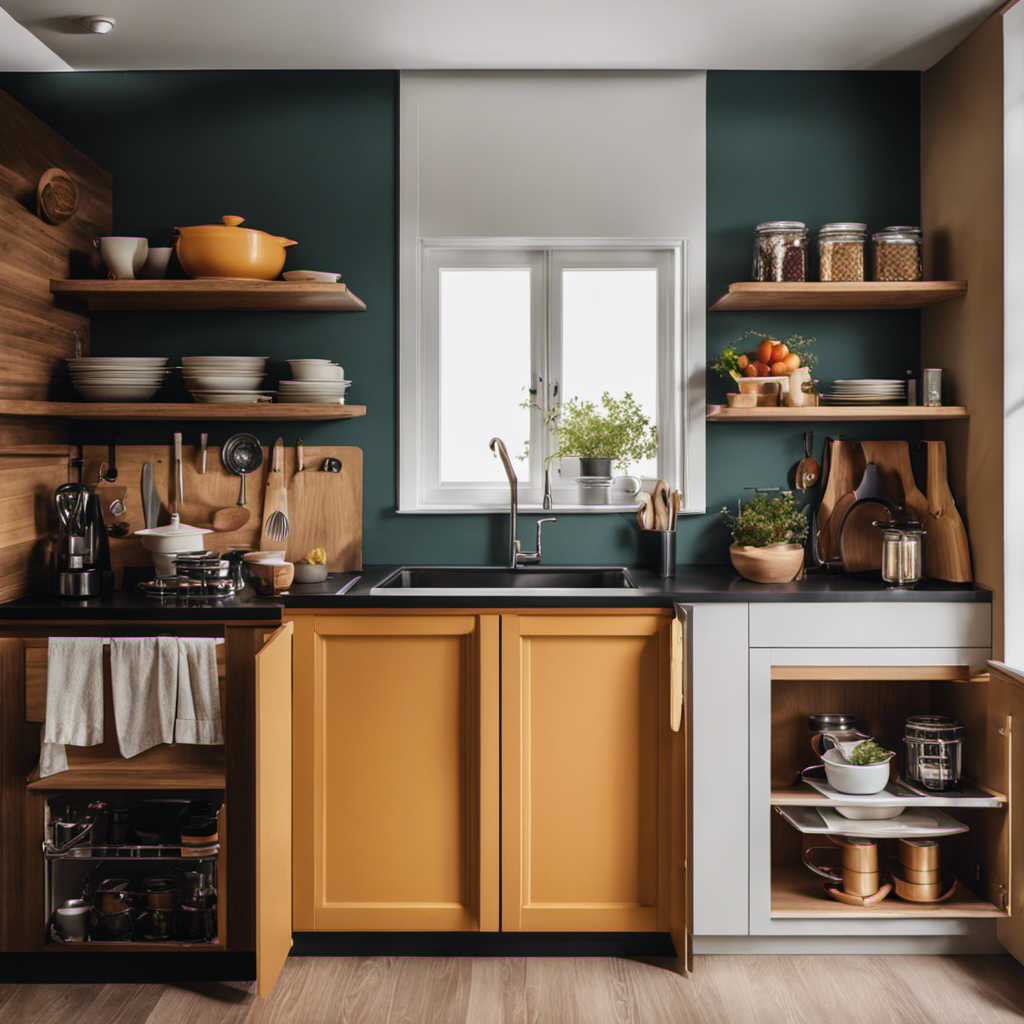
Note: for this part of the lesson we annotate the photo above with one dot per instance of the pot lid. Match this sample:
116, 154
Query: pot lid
176, 528
231, 225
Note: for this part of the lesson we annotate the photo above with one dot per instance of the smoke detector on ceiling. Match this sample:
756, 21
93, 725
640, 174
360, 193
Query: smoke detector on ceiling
98, 23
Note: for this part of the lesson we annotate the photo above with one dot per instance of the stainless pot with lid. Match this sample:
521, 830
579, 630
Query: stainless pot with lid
934, 751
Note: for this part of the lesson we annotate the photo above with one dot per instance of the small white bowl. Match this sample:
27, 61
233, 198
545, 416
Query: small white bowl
117, 392
225, 382
860, 779
307, 572
316, 370
326, 276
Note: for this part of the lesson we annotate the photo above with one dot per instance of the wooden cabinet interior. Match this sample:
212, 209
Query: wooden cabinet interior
886, 697
249, 771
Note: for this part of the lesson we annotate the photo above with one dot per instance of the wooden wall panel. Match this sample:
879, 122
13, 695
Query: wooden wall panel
37, 334
962, 218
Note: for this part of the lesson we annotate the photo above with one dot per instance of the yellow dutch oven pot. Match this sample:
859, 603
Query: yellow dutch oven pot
229, 250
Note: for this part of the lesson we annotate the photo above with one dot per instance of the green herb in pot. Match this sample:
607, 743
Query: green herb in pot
869, 752
765, 520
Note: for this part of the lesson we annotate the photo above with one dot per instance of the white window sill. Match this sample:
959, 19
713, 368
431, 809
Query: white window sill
590, 510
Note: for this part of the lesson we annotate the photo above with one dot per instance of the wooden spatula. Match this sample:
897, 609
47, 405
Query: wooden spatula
662, 505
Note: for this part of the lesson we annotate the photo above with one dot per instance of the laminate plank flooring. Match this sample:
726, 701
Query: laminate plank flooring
425, 990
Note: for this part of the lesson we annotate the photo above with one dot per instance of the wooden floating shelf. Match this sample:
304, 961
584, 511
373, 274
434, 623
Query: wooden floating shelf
826, 413
838, 295
796, 893
117, 773
181, 410
210, 294
807, 796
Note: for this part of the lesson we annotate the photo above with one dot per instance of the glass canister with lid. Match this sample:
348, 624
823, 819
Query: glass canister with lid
780, 251
841, 251
897, 253
934, 751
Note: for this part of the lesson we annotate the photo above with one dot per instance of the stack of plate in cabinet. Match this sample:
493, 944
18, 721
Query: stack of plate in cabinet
866, 392
234, 379
118, 378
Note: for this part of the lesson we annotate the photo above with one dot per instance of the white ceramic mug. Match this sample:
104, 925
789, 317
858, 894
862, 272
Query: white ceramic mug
125, 257
156, 262
628, 485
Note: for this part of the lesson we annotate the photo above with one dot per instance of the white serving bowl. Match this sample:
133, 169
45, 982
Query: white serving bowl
224, 364
307, 572
858, 779
865, 812
225, 382
315, 370
325, 276
117, 392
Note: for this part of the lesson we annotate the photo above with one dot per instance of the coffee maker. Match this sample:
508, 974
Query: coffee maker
81, 563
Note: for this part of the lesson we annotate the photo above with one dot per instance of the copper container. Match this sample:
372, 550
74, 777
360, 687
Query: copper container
229, 250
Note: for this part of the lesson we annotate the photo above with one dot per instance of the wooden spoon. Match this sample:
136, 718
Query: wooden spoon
227, 520
645, 511
662, 504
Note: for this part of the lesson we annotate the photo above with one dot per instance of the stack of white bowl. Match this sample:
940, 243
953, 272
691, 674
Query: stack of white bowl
314, 380
225, 378
118, 378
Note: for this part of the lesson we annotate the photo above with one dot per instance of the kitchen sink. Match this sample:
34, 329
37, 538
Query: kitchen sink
487, 581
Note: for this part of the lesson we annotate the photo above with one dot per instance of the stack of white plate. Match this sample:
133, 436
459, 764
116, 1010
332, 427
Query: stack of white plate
225, 378
866, 392
313, 391
118, 378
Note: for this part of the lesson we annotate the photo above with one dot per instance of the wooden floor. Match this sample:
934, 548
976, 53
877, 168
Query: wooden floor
723, 990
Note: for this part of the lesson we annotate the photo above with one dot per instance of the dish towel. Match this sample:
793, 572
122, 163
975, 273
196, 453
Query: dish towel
144, 683
74, 699
198, 718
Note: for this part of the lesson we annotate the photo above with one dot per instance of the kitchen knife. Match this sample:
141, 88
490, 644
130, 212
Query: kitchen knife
150, 499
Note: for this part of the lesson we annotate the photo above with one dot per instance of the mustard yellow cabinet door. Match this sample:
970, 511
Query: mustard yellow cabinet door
586, 765
405, 793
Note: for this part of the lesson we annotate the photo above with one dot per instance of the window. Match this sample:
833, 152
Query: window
506, 333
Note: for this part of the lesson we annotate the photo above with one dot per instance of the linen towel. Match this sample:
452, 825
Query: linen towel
74, 699
144, 683
198, 718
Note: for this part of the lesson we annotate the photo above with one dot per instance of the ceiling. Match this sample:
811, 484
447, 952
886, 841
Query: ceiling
473, 34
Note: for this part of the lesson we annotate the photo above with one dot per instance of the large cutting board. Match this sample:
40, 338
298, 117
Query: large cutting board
336, 525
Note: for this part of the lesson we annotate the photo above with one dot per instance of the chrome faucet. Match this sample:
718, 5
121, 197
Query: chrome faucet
516, 558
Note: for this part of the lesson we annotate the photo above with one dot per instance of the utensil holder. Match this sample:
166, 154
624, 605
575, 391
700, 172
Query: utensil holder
659, 551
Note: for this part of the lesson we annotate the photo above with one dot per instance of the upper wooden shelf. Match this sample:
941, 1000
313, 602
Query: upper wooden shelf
835, 413
210, 294
181, 410
148, 770
838, 295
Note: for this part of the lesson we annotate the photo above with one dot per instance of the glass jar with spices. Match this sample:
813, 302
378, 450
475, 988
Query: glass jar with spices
897, 254
841, 251
780, 251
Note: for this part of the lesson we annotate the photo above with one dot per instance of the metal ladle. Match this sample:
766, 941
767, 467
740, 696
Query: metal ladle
242, 454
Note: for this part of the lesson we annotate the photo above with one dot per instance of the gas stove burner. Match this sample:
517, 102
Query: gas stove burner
180, 588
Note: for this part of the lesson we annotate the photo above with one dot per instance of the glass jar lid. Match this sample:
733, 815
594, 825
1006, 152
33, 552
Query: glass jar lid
899, 525
770, 226
892, 237
843, 227
901, 229
933, 727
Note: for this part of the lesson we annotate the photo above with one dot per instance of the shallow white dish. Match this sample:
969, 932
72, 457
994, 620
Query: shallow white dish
325, 276
311, 399
223, 382
314, 385
114, 362
855, 778
117, 392
232, 397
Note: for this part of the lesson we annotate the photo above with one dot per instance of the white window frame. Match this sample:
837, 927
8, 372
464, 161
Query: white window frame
680, 369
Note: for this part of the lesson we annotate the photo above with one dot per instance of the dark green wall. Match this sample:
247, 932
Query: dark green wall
311, 155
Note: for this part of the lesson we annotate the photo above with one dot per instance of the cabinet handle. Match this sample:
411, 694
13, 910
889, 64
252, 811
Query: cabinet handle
678, 667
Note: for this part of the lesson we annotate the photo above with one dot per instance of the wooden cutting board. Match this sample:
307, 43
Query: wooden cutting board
327, 509
947, 555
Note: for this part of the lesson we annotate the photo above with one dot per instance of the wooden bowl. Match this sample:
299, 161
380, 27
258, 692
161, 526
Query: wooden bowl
272, 577
777, 563
741, 401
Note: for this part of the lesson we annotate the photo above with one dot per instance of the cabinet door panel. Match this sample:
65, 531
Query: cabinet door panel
584, 801
405, 773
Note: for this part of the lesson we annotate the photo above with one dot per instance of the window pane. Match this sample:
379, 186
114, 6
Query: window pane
610, 339
485, 371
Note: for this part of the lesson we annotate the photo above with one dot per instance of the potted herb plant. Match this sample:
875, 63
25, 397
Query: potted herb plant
768, 535
618, 432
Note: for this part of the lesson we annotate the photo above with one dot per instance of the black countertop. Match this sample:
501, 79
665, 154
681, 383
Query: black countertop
690, 585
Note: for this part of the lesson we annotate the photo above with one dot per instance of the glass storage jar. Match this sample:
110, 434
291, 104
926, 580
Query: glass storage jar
780, 251
841, 251
897, 254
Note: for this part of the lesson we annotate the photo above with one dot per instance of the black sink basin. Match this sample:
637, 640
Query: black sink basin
542, 580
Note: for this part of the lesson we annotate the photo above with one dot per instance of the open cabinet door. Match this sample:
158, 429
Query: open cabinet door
273, 807
680, 721
1008, 695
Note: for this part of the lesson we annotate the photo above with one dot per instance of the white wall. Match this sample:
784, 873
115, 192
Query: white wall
1013, 332
560, 155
